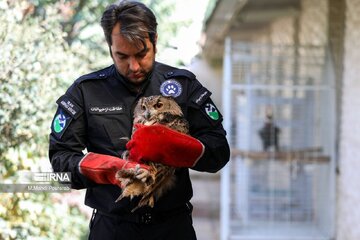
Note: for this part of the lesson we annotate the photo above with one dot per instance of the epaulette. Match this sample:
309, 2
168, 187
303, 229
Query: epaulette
101, 74
179, 73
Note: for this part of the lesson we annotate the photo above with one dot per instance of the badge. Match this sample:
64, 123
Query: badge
171, 88
211, 111
116, 109
61, 122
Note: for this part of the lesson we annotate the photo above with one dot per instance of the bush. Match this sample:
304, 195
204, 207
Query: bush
36, 66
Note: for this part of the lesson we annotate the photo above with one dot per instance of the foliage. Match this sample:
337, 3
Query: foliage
35, 61
80, 20
39, 216
167, 25
45, 45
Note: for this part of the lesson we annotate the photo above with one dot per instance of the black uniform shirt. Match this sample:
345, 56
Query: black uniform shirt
96, 114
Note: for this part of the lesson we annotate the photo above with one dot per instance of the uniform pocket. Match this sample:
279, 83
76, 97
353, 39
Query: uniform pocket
117, 136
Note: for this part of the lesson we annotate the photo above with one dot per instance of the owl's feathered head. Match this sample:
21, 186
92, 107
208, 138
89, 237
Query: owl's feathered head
154, 109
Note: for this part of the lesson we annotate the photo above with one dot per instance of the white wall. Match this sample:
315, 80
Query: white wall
209, 78
349, 179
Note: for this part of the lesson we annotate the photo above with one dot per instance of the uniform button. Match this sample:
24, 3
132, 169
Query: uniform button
170, 73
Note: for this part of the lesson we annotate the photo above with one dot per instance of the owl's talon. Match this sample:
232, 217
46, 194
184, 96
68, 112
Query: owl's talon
125, 155
119, 198
142, 174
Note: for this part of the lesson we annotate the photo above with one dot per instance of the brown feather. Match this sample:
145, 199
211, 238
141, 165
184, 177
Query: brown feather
148, 111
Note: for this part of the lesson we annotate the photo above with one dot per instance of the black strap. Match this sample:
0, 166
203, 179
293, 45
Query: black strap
149, 217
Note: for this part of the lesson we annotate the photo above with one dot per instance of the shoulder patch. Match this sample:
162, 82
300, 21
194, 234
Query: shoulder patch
69, 106
211, 112
201, 96
60, 122
179, 73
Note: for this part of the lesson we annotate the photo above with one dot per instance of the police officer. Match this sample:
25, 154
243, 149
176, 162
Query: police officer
95, 116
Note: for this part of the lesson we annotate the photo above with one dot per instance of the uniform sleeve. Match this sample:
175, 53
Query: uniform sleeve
68, 137
206, 125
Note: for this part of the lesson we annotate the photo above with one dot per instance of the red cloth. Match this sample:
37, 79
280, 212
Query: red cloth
102, 168
161, 144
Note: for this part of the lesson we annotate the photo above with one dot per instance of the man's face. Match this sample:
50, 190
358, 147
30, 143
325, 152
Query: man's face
133, 61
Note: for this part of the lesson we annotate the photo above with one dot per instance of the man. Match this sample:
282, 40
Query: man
95, 114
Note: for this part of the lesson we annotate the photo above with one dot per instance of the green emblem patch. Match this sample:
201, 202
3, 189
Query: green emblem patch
211, 111
59, 123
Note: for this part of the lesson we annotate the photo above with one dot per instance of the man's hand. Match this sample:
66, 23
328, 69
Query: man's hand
102, 168
161, 144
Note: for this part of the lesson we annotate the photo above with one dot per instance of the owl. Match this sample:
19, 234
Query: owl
269, 134
160, 178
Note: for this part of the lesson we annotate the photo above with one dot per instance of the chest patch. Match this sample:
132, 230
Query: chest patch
107, 109
171, 88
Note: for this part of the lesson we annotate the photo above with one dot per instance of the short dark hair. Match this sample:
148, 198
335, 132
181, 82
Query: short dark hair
137, 22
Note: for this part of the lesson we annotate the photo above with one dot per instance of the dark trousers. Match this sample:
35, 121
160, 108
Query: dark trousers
175, 227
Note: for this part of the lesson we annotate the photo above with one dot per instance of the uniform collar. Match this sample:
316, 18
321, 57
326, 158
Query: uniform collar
130, 86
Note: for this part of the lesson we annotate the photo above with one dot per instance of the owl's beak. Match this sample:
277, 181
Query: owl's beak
147, 115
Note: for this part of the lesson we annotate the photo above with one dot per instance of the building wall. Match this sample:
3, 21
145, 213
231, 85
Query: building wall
309, 28
349, 164
209, 77
313, 22
313, 30
282, 31
316, 25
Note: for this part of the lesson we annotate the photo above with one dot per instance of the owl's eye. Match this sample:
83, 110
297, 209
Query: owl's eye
158, 105
143, 107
